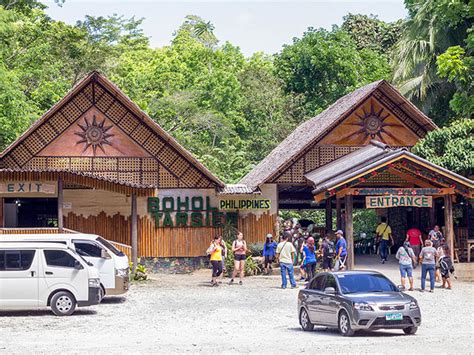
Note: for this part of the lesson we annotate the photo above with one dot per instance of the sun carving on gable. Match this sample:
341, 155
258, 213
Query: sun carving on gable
373, 123
94, 135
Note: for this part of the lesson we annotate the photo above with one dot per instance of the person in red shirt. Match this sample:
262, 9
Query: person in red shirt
415, 240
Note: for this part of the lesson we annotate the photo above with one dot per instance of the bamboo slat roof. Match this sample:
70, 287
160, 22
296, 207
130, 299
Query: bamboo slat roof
317, 127
238, 189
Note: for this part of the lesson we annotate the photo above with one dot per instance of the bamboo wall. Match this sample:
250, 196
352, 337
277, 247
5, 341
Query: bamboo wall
166, 242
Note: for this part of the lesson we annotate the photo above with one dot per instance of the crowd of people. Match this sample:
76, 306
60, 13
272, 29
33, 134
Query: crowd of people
433, 255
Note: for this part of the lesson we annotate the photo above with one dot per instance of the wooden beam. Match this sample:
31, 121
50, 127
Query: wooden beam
448, 223
328, 215
338, 214
372, 191
134, 231
349, 231
60, 205
432, 214
409, 178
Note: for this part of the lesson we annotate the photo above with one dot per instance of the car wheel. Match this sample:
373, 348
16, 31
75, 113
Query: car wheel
344, 324
410, 330
304, 321
63, 303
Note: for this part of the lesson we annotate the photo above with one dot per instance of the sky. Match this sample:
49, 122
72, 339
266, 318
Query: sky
258, 25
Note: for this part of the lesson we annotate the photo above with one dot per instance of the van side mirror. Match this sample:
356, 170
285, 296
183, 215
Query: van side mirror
330, 291
104, 254
78, 265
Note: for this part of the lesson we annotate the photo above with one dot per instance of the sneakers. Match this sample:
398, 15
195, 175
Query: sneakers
240, 283
231, 281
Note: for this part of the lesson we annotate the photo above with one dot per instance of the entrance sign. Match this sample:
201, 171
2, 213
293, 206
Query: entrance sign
398, 201
27, 189
244, 204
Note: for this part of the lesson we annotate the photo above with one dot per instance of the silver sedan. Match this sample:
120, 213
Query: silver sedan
356, 300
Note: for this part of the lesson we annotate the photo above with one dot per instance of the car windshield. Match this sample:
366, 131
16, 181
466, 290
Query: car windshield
363, 283
109, 246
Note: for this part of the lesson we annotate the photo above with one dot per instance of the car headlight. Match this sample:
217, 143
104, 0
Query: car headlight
413, 305
94, 283
363, 306
122, 272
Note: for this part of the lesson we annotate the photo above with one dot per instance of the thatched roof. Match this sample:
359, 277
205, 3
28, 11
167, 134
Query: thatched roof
317, 127
238, 189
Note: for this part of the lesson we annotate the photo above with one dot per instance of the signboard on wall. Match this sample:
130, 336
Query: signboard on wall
398, 201
244, 204
27, 189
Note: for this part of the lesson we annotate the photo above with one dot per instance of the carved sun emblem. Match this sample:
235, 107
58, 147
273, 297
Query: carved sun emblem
373, 124
94, 135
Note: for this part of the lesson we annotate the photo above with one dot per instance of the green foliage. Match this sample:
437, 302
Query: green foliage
140, 273
256, 249
365, 221
451, 147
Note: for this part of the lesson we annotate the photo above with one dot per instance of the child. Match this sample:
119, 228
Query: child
446, 267
269, 251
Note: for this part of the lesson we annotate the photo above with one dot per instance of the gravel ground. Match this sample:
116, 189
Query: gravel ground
182, 313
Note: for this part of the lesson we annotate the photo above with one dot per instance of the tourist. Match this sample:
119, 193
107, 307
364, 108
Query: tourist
239, 248
446, 266
427, 258
384, 235
328, 250
309, 251
415, 240
341, 251
269, 252
215, 252
406, 258
286, 254
435, 236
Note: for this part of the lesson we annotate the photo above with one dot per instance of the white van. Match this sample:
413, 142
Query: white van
35, 275
113, 265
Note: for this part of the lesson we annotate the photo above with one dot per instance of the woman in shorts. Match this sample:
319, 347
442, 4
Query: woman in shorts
239, 248
406, 258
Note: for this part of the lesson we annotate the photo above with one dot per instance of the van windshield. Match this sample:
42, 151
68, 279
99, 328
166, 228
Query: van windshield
109, 246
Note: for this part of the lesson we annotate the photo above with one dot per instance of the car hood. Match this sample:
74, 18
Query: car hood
380, 297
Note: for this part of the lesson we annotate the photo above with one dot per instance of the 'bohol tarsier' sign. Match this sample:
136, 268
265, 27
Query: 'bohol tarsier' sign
193, 211
398, 201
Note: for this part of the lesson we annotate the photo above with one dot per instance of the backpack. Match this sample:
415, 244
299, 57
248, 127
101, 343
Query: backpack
329, 250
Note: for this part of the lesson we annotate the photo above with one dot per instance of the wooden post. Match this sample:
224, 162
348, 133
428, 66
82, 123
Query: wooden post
60, 206
432, 211
448, 223
328, 216
338, 214
134, 232
349, 232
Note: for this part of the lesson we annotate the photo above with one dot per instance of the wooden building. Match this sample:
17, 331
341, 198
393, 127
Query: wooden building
96, 163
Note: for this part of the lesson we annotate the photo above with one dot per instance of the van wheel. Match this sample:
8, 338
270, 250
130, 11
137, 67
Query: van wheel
101, 293
344, 324
304, 321
410, 330
63, 303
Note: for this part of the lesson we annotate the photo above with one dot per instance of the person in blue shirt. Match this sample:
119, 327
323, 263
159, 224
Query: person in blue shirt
269, 252
341, 251
309, 251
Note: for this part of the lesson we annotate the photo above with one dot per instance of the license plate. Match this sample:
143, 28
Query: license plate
394, 316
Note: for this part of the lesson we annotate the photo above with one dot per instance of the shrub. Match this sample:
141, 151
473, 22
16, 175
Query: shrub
256, 249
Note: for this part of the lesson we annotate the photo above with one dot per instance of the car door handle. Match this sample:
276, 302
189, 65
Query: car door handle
48, 272
33, 273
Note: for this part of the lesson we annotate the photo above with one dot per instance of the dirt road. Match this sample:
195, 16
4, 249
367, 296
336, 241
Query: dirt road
181, 313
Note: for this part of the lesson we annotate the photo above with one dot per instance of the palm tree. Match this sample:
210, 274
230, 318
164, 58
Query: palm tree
427, 33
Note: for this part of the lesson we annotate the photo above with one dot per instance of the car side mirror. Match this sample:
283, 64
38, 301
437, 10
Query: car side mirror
330, 291
78, 265
104, 254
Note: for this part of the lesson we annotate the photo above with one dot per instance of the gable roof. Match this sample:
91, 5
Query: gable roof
124, 100
314, 129
369, 158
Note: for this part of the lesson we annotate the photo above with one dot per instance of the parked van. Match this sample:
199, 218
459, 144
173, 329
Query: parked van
113, 265
35, 275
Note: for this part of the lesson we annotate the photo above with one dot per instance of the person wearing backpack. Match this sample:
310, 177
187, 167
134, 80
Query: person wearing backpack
384, 235
446, 267
328, 250
406, 257
285, 254
428, 257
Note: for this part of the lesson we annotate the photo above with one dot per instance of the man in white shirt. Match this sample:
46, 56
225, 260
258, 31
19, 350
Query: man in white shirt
286, 254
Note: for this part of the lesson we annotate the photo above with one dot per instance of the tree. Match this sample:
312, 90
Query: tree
324, 65
451, 147
432, 27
